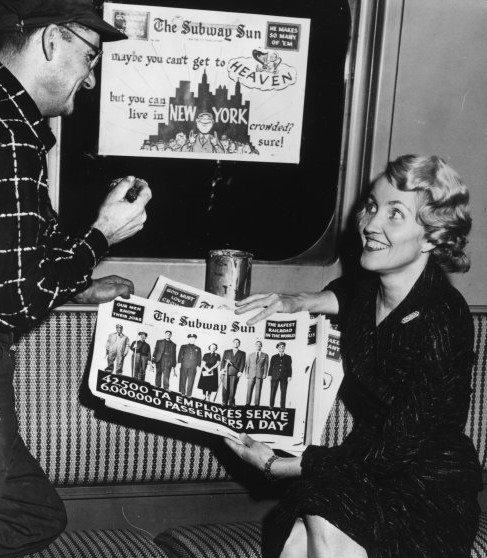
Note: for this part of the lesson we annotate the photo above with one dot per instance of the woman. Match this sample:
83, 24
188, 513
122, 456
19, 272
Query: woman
208, 382
404, 482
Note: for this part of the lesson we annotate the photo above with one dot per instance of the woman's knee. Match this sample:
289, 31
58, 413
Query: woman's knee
324, 539
296, 544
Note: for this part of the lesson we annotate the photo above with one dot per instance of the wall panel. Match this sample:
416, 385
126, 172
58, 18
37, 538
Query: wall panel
440, 106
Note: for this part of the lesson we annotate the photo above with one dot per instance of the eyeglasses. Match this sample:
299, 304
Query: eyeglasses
98, 51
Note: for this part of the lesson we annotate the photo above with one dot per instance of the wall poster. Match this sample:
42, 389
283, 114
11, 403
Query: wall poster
203, 85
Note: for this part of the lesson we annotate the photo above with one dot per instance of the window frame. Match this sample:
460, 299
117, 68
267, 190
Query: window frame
369, 76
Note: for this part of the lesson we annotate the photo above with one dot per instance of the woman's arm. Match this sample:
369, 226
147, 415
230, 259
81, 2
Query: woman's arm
324, 302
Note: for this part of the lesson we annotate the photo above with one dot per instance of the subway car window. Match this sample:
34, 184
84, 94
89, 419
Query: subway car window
276, 211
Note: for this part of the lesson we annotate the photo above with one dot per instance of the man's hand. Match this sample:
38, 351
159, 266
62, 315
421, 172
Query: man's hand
105, 289
118, 218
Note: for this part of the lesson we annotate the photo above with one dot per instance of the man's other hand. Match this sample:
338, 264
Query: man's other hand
105, 289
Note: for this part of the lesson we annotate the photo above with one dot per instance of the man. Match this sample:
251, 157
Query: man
256, 370
48, 49
225, 142
189, 358
117, 348
181, 141
232, 367
203, 141
280, 372
164, 358
141, 356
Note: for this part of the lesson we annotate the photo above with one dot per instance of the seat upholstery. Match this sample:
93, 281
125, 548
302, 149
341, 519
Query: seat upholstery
79, 448
102, 544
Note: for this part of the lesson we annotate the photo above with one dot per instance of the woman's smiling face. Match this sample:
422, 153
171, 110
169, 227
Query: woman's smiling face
392, 238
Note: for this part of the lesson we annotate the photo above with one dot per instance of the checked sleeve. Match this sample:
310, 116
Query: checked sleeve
40, 267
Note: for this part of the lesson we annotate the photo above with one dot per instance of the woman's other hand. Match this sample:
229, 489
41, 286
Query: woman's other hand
270, 303
323, 302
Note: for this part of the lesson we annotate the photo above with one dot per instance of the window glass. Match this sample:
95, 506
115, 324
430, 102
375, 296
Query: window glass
275, 211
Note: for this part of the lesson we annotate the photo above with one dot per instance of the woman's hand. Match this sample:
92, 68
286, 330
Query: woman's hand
251, 451
323, 302
257, 454
271, 303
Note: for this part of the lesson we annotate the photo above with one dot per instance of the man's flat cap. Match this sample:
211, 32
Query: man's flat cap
17, 15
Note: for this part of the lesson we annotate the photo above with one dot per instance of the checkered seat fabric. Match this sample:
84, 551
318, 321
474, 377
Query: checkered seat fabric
476, 427
73, 444
479, 549
102, 544
226, 540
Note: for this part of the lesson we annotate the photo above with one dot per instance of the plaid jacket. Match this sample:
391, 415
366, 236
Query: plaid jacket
40, 266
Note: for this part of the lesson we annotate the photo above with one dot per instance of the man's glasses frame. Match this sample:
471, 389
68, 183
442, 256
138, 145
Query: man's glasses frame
98, 51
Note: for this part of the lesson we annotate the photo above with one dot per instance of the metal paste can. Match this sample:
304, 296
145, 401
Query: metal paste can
228, 273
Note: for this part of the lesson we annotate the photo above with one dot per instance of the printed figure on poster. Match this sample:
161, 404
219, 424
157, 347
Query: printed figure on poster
203, 84
164, 359
256, 369
117, 348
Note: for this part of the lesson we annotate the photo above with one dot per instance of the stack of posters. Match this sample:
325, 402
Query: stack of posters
183, 356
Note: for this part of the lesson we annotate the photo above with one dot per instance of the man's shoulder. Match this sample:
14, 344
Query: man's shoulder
17, 129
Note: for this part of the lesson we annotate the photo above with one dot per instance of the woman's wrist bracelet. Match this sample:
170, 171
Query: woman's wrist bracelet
267, 468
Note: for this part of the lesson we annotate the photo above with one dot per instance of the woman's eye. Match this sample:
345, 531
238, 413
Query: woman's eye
396, 214
370, 207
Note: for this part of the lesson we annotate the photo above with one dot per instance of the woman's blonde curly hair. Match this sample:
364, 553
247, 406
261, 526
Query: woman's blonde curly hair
443, 210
